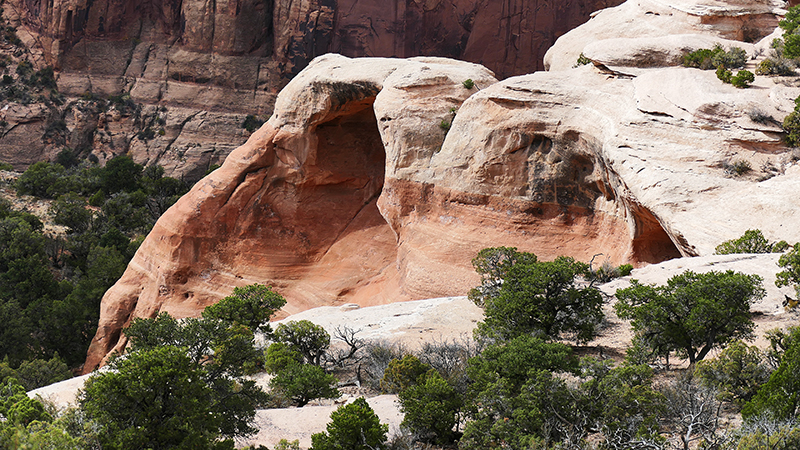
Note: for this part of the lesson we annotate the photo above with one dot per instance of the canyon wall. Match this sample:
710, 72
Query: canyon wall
377, 180
207, 65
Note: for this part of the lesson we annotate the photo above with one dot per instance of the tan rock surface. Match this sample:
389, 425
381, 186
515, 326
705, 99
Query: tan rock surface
575, 162
652, 30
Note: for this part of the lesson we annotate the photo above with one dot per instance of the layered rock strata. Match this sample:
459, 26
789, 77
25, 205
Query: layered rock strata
378, 180
213, 63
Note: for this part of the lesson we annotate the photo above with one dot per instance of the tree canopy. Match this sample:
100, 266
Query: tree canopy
542, 298
352, 427
181, 385
693, 313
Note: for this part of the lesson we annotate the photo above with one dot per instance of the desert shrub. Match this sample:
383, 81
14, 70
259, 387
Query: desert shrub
251, 123
724, 74
759, 116
707, 59
621, 401
302, 383
71, 211
738, 372
279, 357
742, 79
6, 166
607, 272
738, 167
777, 65
468, 83
450, 359
251, 306
692, 413
542, 298
352, 427
765, 434
582, 61
790, 275
431, 409
377, 356
403, 373
36, 373
714, 308
791, 125
283, 444
779, 397
305, 337
752, 241
39, 179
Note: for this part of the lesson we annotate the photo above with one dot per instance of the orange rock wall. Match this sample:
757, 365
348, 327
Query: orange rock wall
317, 204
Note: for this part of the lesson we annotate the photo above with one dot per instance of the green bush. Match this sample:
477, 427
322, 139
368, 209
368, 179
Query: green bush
251, 123
790, 275
752, 241
707, 59
542, 298
40, 179
303, 336
6, 166
468, 83
402, 374
743, 79
251, 306
779, 397
431, 409
279, 357
71, 211
714, 308
776, 66
301, 383
738, 372
765, 434
791, 125
352, 427
724, 74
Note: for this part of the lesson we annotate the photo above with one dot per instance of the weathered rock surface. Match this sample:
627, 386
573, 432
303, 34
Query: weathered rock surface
219, 61
354, 192
657, 31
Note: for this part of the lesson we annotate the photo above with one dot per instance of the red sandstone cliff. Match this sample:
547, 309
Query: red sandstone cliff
354, 192
208, 64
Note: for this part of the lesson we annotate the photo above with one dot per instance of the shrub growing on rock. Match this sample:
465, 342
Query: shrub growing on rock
707, 59
752, 241
742, 79
694, 312
790, 275
545, 299
352, 427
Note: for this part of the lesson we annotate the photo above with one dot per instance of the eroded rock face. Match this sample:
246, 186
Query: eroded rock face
356, 191
653, 33
216, 62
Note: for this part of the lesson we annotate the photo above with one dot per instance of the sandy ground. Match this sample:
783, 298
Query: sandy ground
413, 323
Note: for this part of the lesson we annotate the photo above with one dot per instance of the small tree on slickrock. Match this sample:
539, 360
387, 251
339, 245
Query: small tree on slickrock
694, 312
